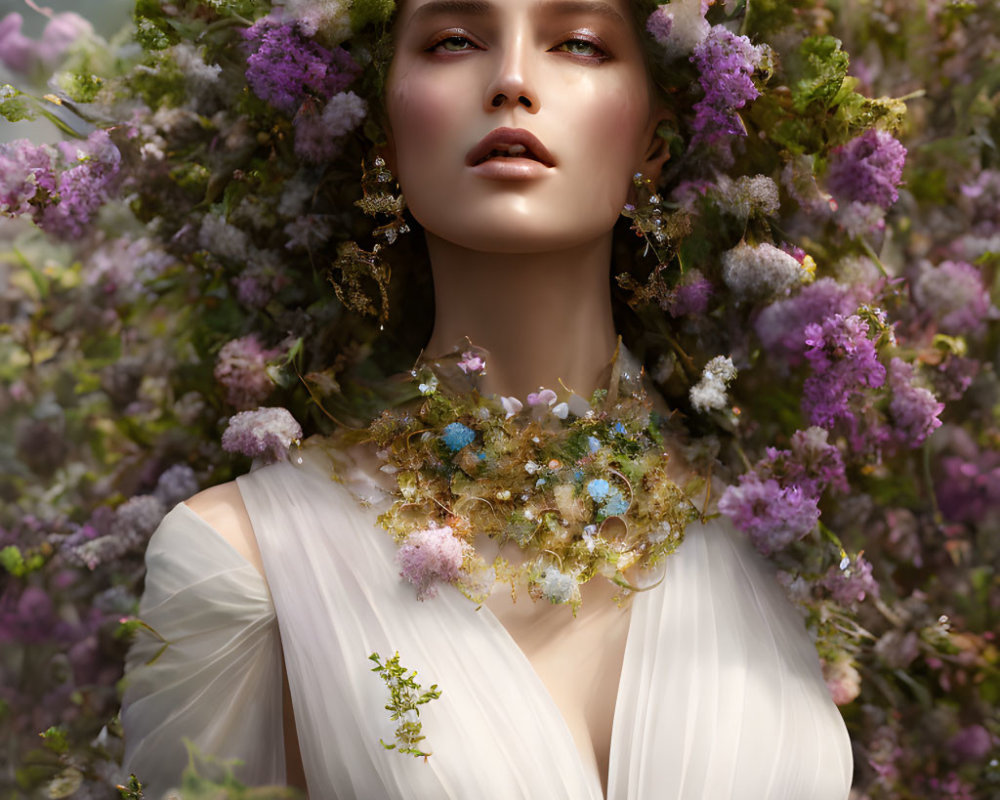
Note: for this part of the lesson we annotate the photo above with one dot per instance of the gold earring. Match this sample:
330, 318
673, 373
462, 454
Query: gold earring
378, 199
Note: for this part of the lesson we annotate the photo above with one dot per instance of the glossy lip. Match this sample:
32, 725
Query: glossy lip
536, 155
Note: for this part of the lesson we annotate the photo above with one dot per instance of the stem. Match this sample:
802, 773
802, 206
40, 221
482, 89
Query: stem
874, 257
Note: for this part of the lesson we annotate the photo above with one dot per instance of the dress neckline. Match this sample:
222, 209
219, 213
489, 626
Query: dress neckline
614, 747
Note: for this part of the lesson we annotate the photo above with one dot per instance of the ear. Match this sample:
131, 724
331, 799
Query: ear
657, 148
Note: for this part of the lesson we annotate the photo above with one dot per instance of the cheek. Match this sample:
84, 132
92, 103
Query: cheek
423, 114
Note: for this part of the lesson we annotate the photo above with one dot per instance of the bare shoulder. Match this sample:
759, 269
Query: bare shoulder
222, 507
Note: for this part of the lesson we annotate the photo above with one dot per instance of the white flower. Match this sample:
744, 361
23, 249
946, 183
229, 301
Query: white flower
746, 195
758, 272
342, 114
331, 19
687, 25
191, 61
223, 239
556, 586
710, 392
511, 405
561, 410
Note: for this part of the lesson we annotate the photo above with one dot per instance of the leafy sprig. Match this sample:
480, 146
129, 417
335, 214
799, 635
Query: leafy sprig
406, 695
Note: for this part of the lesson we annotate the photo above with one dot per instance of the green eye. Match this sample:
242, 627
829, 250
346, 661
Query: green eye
580, 47
454, 44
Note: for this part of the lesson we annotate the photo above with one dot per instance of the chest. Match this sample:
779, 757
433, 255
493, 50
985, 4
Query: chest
578, 660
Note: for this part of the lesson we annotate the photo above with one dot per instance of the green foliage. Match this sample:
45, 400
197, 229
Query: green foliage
55, 740
14, 105
81, 87
821, 69
405, 698
371, 12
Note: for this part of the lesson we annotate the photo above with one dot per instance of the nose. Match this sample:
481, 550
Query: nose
512, 84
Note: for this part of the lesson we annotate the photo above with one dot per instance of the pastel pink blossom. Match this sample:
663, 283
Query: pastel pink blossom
546, 396
471, 362
428, 556
511, 405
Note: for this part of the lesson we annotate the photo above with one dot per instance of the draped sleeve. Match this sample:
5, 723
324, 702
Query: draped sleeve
213, 672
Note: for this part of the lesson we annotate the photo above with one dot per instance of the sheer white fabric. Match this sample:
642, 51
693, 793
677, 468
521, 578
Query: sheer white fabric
721, 696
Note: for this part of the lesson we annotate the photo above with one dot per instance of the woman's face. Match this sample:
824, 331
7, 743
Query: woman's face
517, 125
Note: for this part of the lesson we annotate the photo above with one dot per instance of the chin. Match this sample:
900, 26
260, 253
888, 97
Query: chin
526, 231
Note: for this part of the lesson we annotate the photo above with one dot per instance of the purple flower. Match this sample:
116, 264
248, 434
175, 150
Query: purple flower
317, 132
241, 368
773, 516
428, 556
972, 743
24, 169
969, 488
851, 581
690, 297
781, 325
914, 410
867, 169
83, 188
812, 463
175, 484
844, 363
136, 519
21, 54
266, 433
955, 295
659, 24
285, 66
726, 63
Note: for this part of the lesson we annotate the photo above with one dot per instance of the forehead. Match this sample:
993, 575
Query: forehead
617, 10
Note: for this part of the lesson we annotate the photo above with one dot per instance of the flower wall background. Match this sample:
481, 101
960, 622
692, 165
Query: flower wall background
820, 304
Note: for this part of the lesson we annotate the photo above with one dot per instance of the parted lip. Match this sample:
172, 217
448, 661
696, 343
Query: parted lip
502, 139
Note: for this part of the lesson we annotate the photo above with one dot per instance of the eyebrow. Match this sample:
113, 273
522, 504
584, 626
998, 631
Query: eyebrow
482, 8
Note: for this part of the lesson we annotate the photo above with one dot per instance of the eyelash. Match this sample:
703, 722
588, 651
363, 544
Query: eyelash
599, 53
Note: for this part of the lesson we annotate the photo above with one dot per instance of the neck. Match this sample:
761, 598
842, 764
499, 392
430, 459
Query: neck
542, 317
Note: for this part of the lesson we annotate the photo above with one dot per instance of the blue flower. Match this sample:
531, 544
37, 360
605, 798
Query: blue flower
615, 504
598, 489
619, 429
593, 443
456, 436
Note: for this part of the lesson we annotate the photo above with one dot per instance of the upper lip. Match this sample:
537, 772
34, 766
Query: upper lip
502, 139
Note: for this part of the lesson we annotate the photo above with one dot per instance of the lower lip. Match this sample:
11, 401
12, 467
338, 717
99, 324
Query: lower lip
510, 169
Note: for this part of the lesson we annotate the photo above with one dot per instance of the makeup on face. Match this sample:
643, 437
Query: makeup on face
517, 124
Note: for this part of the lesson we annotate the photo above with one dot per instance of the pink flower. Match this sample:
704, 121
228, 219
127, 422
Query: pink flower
471, 362
843, 680
546, 396
242, 369
266, 433
430, 555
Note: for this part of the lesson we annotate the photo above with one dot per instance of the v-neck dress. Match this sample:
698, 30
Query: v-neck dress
720, 696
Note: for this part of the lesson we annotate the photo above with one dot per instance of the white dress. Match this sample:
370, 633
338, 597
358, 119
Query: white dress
720, 696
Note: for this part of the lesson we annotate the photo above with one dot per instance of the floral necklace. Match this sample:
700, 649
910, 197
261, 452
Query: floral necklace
581, 488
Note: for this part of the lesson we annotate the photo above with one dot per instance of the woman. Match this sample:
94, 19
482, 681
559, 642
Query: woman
515, 130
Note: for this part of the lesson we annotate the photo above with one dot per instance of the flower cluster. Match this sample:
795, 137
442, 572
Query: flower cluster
581, 487
210, 175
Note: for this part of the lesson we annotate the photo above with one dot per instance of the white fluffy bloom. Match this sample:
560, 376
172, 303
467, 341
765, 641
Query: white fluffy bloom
331, 19
686, 26
746, 195
343, 113
761, 271
294, 197
558, 587
223, 239
710, 392
191, 61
